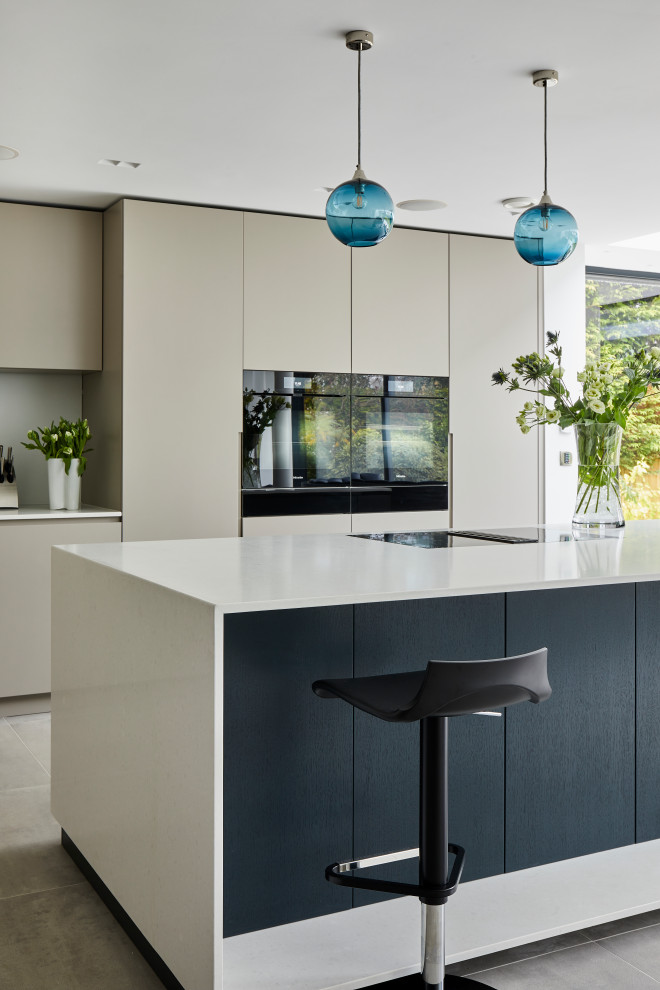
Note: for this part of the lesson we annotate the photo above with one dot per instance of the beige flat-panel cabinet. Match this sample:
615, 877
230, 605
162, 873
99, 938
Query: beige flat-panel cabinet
25, 596
50, 288
297, 296
494, 318
168, 405
400, 305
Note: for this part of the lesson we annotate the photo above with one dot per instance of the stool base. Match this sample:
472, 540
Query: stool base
451, 983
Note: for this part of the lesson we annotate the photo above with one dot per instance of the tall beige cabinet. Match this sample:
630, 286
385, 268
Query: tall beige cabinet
493, 318
297, 296
167, 406
400, 305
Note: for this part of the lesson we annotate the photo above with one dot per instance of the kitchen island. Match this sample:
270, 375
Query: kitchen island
206, 786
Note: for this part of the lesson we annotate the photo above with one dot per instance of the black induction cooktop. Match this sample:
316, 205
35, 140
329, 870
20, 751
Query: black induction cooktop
444, 539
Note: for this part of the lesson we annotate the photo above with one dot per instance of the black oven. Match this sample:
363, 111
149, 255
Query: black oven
335, 443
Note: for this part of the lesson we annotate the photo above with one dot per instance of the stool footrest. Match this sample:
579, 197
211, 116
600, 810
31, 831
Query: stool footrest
338, 873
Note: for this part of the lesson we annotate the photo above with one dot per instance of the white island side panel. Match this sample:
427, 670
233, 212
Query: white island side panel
136, 754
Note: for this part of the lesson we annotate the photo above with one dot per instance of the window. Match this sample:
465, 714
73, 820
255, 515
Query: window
623, 313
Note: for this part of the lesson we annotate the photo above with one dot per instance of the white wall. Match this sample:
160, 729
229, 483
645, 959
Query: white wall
27, 401
563, 309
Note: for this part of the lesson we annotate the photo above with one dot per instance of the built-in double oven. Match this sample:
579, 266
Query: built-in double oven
336, 443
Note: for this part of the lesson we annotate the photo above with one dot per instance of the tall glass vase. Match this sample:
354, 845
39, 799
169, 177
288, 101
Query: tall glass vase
598, 501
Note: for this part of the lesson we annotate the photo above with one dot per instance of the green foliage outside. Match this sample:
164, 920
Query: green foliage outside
623, 315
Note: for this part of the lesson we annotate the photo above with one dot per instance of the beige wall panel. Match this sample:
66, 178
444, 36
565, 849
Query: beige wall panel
25, 596
102, 391
50, 288
398, 522
182, 405
276, 525
493, 319
297, 295
400, 305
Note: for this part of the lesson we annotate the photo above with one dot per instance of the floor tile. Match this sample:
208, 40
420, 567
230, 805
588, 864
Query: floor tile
18, 767
34, 731
585, 967
66, 939
629, 924
640, 948
516, 954
31, 855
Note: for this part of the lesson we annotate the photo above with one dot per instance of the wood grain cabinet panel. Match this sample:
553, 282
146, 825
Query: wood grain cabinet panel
648, 710
570, 762
392, 637
288, 765
50, 288
297, 295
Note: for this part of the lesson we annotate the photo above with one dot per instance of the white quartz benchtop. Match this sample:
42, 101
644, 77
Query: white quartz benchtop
241, 574
28, 513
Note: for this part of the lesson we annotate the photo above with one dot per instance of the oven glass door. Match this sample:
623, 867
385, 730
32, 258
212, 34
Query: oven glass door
399, 441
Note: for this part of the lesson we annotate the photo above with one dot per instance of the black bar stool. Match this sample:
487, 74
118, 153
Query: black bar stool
430, 697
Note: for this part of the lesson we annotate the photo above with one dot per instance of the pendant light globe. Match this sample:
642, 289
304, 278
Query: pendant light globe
359, 212
545, 234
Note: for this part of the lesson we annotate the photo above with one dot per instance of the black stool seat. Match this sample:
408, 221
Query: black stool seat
446, 687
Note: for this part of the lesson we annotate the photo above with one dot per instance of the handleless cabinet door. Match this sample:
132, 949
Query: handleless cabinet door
493, 315
181, 385
297, 296
570, 762
648, 706
50, 288
400, 305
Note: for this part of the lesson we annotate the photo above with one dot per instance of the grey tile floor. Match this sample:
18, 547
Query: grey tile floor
55, 933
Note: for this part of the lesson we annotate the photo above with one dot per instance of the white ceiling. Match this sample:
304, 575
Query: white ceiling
252, 104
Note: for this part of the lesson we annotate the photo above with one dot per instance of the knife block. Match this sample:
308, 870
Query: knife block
8, 495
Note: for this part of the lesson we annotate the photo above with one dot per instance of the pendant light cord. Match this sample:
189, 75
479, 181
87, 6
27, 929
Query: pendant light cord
545, 137
359, 161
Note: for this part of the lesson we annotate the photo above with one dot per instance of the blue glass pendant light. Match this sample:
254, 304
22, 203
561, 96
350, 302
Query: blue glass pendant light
545, 234
359, 212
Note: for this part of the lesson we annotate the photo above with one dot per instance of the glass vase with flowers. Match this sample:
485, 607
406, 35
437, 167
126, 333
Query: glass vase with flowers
610, 389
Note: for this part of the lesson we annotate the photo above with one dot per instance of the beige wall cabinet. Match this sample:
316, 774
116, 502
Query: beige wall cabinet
168, 405
400, 295
25, 599
50, 288
297, 296
494, 318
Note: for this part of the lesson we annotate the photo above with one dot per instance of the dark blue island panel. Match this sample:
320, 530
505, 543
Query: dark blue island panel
648, 711
570, 781
401, 636
288, 766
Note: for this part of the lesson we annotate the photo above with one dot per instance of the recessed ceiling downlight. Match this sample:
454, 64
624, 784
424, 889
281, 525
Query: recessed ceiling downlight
518, 204
421, 204
118, 163
7, 153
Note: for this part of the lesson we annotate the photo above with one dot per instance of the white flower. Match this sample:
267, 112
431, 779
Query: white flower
552, 416
557, 372
655, 353
524, 428
591, 393
597, 406
608, 379
528, 406
581, 376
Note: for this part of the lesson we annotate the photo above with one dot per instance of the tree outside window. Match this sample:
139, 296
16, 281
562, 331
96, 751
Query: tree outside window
623, 313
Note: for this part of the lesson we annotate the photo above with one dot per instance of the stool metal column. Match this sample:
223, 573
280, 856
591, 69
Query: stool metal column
431, 696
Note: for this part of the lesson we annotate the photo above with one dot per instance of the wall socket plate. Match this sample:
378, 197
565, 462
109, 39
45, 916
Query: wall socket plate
565, 458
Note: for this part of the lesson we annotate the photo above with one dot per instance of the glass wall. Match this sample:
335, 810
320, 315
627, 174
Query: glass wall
623, 313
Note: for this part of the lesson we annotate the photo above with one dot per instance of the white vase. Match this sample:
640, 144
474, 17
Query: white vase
55, 482
72, 486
